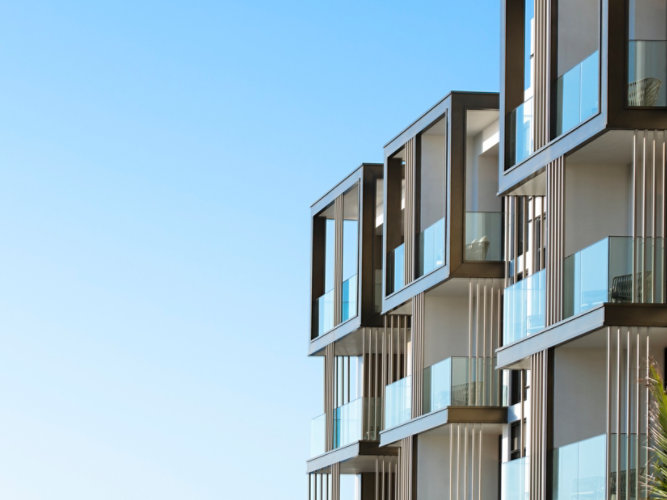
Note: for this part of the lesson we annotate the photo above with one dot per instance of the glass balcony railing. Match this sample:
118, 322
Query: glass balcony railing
461, 381
578, 94
603, 272
318, 435
515, 480
398, 402
483, 236
355, 421
625, 475
349, 309
647, 73
396, 269
431, 247
325, 312
579, 470
520, 133
524, 308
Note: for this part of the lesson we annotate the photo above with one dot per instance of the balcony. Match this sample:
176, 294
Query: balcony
520, 143
625, 476
578, 94
579, 470
515, 480
615, 269
355, 421
325, 312
647, 73
398, 402
524, 308
432, 247
396, 269
461, 381
318, 435
483, 236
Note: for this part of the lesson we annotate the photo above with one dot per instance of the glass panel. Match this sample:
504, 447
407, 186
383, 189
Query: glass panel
483, 236
395, 268
647, 53
520, 132
431, 245
524, 308
398, 402
621, 477
349, 309
325, 312
317, 435
460, 381
515, 480
603, 272
324, 245
350, 252
395, 206
430, 198
579, 469
347, 423
577, 94
647, 73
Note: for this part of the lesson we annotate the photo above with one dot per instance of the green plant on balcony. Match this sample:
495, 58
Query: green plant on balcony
656, 476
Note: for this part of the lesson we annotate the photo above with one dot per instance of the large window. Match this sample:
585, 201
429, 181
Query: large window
578, 63
324, 250
394, 224
430, 197
483, 217
350, 253
519, 137
647, 53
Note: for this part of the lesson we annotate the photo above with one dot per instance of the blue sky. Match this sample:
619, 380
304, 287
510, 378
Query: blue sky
157, 164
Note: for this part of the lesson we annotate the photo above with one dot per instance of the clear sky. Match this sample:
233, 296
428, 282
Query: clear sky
157, 164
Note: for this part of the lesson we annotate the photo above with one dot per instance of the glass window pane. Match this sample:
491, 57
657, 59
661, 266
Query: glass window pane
350, 253
430, 196
324, 245
483, 209
395, 231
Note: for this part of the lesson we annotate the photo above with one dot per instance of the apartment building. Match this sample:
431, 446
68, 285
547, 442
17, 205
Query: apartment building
487, 302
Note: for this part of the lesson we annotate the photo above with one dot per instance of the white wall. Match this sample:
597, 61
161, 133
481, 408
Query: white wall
597, 204
433, 467
446, 327
580, 394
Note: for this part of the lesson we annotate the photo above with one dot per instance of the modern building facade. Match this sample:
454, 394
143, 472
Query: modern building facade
487, 302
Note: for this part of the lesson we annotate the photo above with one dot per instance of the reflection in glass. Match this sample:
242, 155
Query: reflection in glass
398, 402
625, 482
396, 268
647, 53
603, 272
647, 73
524, 308
431, 243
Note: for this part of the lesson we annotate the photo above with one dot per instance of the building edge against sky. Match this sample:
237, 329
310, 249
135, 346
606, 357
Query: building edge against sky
486, 302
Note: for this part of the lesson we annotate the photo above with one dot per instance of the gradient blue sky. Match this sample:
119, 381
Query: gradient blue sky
157, 164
